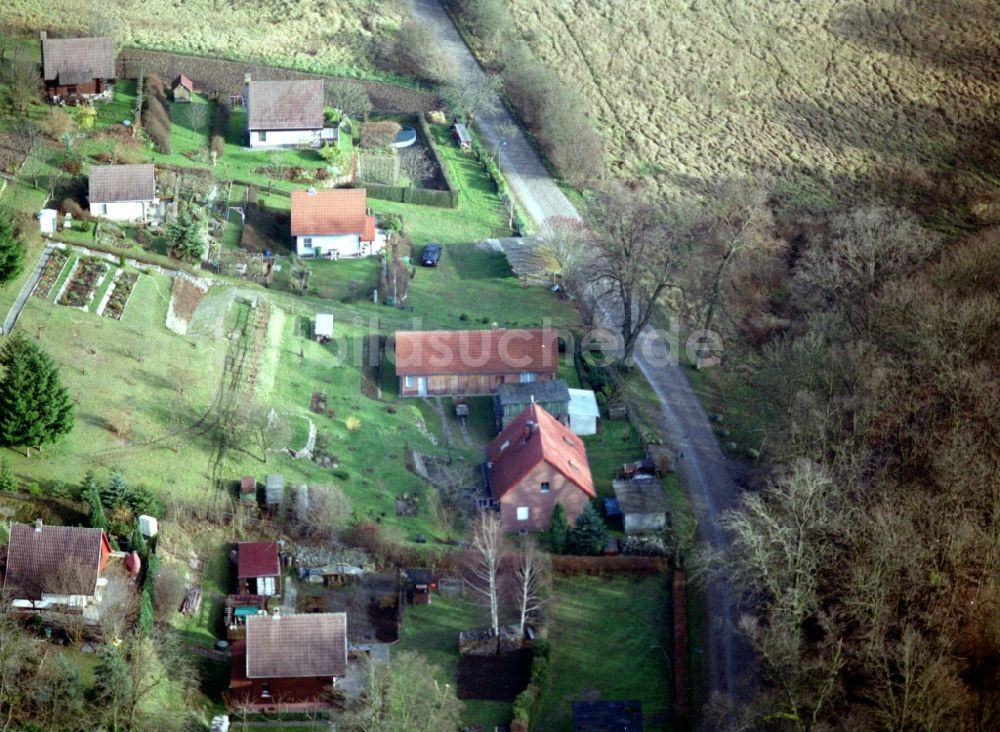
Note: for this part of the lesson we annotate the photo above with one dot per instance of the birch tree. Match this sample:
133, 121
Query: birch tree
531, 576
487, 549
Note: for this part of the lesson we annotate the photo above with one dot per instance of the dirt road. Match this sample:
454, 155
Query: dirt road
702, 466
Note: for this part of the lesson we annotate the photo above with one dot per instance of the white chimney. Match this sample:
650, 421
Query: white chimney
38, 525
311, 191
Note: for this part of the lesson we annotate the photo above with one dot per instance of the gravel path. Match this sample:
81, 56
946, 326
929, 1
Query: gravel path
701, 465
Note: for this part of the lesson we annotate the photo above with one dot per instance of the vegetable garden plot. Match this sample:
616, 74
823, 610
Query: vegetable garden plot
120, 294
87, 278
50, 275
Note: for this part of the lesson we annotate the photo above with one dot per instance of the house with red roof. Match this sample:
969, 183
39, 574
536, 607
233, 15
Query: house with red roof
473, 362
258, 568
288, 663
533, 464
335, 223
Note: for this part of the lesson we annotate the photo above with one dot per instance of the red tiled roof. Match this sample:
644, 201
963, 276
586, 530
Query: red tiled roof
314, 644
527, 446
257, 559
497, 351
340, 211
63, 560
183, 81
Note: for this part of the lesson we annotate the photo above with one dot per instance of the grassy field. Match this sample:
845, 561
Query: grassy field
821, 93
309, 35
608, 642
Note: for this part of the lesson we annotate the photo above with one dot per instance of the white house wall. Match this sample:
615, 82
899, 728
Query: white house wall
345, 245
283, 138
121, 211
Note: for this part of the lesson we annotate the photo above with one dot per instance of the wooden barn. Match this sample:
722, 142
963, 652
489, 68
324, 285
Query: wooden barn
642, 502
512, 399
75, 69
473, 362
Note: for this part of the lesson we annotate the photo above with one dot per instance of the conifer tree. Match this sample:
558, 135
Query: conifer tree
588, 535
558, 529
115, 493
35, 407
11, 250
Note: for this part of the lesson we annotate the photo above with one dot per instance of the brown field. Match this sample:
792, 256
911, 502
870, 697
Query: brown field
825, 91
321, 36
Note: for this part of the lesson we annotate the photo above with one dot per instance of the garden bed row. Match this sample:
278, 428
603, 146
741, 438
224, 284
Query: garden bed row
84, 282
119, 295
50, 275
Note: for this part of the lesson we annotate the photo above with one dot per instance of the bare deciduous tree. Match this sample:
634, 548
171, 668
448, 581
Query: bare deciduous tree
639, 245
487, 552
531, 576
473, 94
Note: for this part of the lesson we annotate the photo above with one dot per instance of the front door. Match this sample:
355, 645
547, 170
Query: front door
421, 386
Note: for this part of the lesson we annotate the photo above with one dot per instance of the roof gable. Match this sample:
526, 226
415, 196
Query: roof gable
285, 105
496, 351
296, 645
184, 82
75, 60
332, 212
257, 559
117, 183
61, 560
533, 437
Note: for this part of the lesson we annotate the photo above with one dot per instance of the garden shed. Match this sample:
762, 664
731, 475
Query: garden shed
274, 490
512, 399
463, 136
323, 328
248, 489
642, 502
182, 89
583, 412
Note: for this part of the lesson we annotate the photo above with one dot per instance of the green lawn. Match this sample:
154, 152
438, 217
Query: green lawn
616, 442
432, 630
608, 641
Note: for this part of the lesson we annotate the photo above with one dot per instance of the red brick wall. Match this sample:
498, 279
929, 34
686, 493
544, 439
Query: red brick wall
528, 493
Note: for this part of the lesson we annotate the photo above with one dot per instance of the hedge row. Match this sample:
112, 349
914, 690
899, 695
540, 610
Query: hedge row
563, 564
521, 224
525, 701
418, 196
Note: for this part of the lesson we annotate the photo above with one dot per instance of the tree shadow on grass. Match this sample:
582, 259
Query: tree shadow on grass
473, 264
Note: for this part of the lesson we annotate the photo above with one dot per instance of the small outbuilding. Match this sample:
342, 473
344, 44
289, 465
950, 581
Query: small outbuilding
512, 399
323, 328
583, 412
258, 568
182, 88
643, 504
48, 221
148, 526
274, 491
248, 489
122, 192
463, 136
418, 583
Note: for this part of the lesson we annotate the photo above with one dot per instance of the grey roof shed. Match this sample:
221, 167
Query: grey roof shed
274, 489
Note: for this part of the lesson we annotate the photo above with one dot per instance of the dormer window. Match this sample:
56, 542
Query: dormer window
505, 445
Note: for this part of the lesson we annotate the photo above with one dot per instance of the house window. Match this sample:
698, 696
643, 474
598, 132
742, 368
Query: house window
307, 241
266, 586
262, 136
522, 513
527, 377
545, 486
265, 690
408, 382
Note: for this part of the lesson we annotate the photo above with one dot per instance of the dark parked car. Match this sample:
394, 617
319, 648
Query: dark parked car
431, 255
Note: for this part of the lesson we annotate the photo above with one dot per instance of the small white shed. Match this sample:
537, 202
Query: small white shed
48, 221
148, 526
323, 329
583, 412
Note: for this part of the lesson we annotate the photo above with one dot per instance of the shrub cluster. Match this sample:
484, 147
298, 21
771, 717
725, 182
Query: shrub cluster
570, 565
155, 119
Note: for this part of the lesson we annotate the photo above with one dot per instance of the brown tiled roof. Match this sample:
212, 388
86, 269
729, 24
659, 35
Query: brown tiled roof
340, 211
111, 183
64, 560
529, 444
496, 351
296, 645
285, 105
257, 559
75, 60
184, 82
